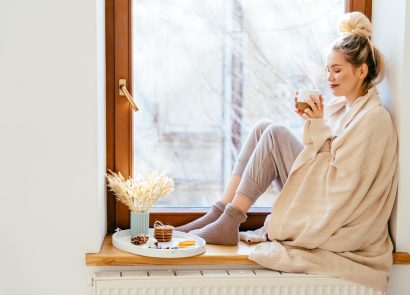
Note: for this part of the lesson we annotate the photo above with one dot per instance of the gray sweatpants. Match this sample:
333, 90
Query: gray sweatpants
267, 155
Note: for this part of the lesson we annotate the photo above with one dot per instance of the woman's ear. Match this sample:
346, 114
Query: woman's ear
364, 70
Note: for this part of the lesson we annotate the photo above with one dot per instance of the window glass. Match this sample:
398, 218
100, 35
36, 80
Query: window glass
206, 70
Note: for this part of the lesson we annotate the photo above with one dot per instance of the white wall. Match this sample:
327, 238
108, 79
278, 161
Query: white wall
52, 131
52, 150
391, 25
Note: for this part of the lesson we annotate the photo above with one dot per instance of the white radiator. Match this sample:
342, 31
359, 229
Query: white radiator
220, 282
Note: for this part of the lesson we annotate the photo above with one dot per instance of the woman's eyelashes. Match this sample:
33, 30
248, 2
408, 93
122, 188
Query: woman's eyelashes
333, 69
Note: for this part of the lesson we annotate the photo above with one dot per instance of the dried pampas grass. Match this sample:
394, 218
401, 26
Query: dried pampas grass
139, 194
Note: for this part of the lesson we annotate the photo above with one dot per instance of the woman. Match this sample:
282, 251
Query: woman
337, 187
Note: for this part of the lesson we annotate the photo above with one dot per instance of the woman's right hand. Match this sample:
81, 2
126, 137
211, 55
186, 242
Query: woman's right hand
315, 111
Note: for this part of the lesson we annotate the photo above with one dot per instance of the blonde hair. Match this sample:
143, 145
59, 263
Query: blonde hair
358, 49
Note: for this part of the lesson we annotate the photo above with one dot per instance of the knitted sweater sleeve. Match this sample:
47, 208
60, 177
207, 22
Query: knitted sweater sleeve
317, 133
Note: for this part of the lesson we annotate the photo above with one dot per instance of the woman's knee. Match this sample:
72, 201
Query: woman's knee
278, 131
260, 126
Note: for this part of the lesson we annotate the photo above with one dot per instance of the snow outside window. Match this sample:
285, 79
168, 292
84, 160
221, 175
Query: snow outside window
206, 70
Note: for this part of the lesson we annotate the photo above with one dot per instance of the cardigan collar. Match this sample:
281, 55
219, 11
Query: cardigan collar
371, 97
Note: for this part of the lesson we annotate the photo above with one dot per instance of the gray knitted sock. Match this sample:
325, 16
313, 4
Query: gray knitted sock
216, 210
225, 230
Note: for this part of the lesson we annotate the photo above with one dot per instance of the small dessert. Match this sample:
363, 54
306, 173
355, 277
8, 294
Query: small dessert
187, 243
139, 239
163, 233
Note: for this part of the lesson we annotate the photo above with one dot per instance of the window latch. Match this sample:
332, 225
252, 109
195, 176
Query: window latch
123, 91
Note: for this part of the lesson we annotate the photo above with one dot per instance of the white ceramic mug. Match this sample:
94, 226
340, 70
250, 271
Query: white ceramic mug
303, 95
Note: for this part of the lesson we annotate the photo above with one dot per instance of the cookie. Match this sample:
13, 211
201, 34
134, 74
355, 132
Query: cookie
139, 239
163, 233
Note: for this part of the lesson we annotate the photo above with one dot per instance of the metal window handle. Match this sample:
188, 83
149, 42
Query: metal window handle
124, 92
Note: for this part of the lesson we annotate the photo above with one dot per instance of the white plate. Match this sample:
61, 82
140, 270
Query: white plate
122, 241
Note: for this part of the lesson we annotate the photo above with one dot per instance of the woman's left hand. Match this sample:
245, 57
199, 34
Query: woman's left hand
316, 108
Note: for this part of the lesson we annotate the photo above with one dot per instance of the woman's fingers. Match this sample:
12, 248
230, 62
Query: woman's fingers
312, 104
321, 102
318, 104
308, 112
296, 99
315, 110
298, 112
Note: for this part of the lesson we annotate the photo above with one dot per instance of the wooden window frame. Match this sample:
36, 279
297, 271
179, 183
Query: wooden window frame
119, 117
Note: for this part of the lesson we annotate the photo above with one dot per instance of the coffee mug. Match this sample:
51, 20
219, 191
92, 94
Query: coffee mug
303, 96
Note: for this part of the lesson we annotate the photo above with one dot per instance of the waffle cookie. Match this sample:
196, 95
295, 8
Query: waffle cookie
163, 233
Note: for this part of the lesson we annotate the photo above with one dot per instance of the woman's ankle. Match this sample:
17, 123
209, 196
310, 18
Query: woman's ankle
216, 210
242, 203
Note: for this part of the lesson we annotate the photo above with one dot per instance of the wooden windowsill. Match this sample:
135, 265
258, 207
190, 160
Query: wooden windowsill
111, 256
214, 255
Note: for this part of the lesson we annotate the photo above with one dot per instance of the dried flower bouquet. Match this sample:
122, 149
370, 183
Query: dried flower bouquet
139, 194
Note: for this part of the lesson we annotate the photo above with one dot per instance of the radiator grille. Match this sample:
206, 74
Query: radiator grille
219, 282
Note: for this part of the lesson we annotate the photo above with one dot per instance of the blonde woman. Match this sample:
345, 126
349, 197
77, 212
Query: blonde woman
338, 186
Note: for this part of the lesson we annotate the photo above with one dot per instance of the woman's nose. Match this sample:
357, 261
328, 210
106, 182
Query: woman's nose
330, 76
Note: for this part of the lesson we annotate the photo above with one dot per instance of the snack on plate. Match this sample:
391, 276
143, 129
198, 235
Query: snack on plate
139, 239
187, 243
153, 243
163, 233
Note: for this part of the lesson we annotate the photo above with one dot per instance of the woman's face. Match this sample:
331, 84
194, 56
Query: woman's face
344, 79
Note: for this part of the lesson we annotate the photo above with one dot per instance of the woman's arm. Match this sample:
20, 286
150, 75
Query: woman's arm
316, 131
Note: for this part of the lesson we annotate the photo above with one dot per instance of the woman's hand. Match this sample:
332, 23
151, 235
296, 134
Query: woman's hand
316, 108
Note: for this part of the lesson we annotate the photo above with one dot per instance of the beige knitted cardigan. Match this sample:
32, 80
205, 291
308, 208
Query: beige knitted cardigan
332, 214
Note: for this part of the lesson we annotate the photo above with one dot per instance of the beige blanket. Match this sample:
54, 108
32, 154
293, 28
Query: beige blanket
332, 214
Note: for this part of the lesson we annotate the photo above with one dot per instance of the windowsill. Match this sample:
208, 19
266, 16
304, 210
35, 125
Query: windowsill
214, 255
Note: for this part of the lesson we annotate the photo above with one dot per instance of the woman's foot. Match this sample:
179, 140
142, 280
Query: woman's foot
216, 210
225, 230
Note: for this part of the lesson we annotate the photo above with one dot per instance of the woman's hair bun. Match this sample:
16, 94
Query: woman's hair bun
356, 23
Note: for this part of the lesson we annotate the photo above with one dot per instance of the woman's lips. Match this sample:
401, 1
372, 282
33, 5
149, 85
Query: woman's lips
333, 85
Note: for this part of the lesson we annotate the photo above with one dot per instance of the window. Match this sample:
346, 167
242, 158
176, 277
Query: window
227, 71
